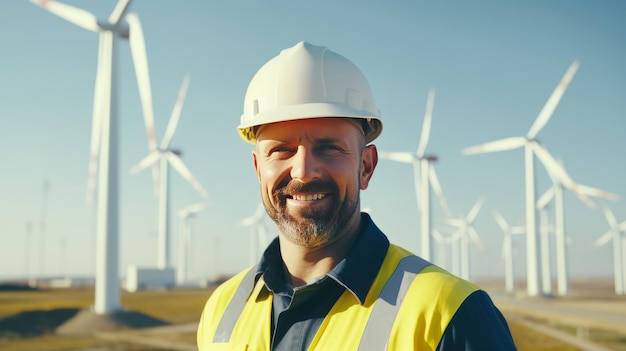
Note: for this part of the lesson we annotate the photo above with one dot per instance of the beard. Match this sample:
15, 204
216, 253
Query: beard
312, 227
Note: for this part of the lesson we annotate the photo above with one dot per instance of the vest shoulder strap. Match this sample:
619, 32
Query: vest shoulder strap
385, 310
235, 307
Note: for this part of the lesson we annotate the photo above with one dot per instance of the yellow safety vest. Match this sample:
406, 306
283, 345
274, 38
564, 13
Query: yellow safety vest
408, 307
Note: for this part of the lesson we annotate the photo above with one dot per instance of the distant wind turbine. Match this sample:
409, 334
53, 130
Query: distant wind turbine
258, 233
560, 180
530, 143
445, 243
166, 157
507, 249
184, 241
424, 176
465, 226
104, 136
43, 227
616, 233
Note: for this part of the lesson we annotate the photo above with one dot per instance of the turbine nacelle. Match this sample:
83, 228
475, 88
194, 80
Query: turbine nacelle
122, 29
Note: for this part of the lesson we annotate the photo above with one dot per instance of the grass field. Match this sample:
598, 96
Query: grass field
28, 318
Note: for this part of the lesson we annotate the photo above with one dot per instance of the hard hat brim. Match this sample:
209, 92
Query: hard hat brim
306, 111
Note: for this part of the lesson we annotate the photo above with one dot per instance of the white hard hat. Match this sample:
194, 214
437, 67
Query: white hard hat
308, 81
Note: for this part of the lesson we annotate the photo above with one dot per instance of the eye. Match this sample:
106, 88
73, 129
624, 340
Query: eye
281, 150
328, 149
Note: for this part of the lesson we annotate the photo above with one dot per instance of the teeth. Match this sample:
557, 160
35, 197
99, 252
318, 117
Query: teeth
309, 197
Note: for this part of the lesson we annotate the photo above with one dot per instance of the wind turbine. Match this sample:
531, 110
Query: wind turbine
184, 240
507, 249
560, 180
104, 136
166, 157
258, 232
444, 244
424, 177
465, 226
615, 232
529, 142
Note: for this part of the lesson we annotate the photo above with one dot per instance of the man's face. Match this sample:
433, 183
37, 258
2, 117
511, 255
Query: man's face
311, 172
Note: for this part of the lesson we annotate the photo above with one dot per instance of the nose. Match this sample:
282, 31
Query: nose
305, 166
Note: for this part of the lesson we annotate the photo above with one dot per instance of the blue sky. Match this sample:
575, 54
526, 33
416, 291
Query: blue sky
493, 66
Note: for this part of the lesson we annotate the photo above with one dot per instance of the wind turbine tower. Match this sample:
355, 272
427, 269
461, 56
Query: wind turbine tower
42, 227
529, 142
104, 136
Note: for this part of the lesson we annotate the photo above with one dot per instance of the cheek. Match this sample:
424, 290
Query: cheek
269, 175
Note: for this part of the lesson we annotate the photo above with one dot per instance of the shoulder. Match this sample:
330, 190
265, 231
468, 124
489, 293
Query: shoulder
477, 325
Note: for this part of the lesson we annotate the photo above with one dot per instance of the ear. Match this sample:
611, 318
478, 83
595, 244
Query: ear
256, 165
369, 160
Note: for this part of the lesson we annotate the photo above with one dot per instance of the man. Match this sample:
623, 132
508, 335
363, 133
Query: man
331, 280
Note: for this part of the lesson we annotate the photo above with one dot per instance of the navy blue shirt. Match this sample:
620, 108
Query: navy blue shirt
298, 312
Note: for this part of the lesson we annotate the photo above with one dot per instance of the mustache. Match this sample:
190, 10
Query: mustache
289, 187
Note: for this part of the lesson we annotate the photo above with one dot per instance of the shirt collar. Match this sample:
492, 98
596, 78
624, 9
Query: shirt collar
356, 272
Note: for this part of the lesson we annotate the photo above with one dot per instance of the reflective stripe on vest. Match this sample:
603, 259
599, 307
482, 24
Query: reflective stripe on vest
385, 310
379, 324
235, 307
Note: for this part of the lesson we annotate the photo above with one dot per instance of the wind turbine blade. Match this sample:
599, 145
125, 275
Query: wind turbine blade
140, 61
428, 116
195, 208
476, 239
603, 239
455, 222
178, 164
118, 11
622, 227
173, 123
438, 237
587, 190
518, 230
191, 209
498, 145
501, 221
553, 101
246, 222
71, 14
434, 182
404, 157
558, 173
151, 159
260, 211
610, 217
474, 211
546, 198
96, 121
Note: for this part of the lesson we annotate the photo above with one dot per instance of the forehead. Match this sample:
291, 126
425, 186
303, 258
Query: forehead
312, 129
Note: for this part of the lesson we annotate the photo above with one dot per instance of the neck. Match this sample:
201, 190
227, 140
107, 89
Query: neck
306, 264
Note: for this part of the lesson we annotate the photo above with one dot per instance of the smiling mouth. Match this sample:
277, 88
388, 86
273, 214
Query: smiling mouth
307, 197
